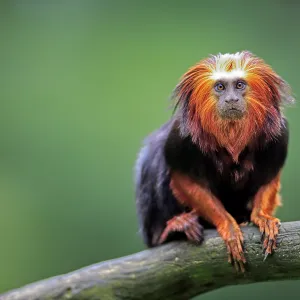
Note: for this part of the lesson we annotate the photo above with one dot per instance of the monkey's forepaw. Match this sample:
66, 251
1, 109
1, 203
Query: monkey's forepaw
188, 224
235, 251
233, 237
269, 228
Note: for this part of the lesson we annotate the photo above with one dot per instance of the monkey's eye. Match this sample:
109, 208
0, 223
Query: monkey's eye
219, 87
240, 85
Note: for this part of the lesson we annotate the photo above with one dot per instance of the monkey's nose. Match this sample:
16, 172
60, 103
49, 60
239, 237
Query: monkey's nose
232, 100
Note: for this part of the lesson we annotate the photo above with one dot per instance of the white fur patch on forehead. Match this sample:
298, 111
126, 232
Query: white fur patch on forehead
234, 74
220, 70
224, 58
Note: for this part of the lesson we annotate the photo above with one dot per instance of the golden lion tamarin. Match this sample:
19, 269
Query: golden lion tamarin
217, 161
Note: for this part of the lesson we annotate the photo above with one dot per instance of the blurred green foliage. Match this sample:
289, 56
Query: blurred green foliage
82, 83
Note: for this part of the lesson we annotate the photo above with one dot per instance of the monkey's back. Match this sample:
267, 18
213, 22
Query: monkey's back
234, 184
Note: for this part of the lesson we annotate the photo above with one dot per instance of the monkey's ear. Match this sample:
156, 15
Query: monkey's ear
285, 92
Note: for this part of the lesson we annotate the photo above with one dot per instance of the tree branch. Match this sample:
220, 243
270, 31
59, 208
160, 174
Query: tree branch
177, 270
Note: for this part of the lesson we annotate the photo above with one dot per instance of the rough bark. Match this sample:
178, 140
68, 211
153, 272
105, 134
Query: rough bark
177, 270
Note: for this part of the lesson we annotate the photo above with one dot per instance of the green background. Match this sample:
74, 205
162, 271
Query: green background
81, 84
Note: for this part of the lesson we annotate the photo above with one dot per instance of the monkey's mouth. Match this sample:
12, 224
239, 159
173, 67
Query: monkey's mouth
233, 113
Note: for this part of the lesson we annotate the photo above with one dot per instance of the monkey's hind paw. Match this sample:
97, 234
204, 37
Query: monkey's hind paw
186, 223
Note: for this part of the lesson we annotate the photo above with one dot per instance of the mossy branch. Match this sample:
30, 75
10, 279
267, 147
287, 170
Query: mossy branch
178, 270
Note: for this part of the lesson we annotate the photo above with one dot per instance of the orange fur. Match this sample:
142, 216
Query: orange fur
262, 97
207, 206
265, 203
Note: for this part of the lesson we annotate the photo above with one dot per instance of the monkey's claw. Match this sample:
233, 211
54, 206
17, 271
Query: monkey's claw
269, 228
186, 223
236, 254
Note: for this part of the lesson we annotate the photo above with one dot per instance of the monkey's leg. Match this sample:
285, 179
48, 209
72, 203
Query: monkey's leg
187, 223
207, 206
265, 202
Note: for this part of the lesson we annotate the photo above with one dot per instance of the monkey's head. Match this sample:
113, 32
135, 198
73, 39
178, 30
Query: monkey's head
230, 93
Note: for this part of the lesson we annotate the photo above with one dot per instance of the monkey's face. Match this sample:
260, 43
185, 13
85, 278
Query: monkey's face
230, 98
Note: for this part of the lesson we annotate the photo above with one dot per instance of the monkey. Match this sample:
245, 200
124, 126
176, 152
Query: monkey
217, 162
